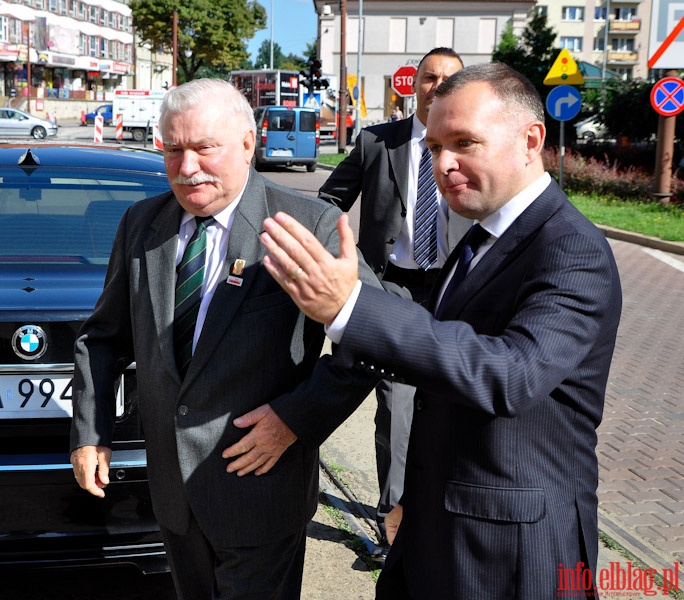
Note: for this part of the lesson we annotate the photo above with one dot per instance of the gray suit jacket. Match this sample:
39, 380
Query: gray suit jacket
255, 348
377, 168
501, 473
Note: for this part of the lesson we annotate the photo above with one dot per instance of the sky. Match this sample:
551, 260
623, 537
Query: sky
294, 26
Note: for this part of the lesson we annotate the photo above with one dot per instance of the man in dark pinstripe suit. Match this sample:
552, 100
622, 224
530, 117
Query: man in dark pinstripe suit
501, 475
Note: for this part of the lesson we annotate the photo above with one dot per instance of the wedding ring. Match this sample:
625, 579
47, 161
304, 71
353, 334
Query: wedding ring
297, 273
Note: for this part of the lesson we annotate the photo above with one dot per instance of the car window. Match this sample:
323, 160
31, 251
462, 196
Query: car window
281, 120
67, 215
307, 121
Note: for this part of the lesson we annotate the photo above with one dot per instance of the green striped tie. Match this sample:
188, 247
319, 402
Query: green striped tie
189, 293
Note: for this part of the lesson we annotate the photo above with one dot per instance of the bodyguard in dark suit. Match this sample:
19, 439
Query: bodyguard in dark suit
229, 534
510, 361
384, 167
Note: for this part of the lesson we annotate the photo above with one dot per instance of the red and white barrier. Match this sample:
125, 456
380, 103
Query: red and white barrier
97, 132
158, 145
119, 127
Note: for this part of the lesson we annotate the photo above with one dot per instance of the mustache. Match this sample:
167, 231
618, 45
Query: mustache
196, 179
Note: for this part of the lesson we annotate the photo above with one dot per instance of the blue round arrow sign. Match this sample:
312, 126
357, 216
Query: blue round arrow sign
563, 103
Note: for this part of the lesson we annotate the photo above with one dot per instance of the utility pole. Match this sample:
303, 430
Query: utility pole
359, 52
342, 112
272, 19
174, 74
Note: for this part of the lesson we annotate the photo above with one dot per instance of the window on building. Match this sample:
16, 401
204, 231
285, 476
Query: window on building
600, 13
94, 10
624, 72
4, 29
625, 13
63, 7
103, 48
40, 4
397, 35
599, 44
623, 44
573, 13
542, 11
14, 31
112, 19
92, 45
103, 17
573, 44
53, 6
83, 43
445, 33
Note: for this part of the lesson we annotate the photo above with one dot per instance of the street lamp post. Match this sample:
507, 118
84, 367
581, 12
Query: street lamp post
606, 27
342, 112
174, 74
359, 53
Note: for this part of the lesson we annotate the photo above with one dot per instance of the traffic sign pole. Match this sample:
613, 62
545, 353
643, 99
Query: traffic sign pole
662, 188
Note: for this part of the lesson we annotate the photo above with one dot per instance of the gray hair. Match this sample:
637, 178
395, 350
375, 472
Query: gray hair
196, 93
513, 89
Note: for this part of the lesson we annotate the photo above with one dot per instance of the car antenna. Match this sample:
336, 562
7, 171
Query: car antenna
28, 159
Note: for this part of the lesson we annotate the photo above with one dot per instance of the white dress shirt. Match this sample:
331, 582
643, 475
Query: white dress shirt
217, 248
495, 224
402, 251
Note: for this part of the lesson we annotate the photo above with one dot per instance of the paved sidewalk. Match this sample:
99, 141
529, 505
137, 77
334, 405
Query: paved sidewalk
641, 440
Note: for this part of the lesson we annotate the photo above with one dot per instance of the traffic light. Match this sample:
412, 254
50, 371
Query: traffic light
311, 79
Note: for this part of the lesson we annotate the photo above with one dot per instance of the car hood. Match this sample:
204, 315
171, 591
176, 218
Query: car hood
50, 287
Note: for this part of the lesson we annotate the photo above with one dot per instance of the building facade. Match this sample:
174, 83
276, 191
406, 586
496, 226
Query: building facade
52, 51
399, 32
609, 34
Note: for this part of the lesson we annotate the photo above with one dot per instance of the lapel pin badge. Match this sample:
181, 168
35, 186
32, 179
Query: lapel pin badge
236, 271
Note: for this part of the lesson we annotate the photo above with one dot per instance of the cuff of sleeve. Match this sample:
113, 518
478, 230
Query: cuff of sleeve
335, 330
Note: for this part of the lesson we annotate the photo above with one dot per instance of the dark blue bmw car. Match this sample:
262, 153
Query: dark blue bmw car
59, 210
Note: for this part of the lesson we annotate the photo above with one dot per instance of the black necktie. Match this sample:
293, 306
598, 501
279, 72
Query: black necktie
189, 293
471, 242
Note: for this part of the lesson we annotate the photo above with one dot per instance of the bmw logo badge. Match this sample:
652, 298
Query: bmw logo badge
29, 342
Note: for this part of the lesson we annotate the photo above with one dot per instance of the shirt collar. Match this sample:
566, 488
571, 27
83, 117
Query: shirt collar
224, 217
497, 223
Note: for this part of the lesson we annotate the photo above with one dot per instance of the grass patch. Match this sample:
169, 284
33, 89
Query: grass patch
331, 159
354, 541
648, 218
609, 542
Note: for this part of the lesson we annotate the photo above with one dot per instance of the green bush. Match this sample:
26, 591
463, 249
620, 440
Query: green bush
589, 175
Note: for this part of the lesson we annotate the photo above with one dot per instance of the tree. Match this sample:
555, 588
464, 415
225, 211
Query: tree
531, 54
263, 57
214, 32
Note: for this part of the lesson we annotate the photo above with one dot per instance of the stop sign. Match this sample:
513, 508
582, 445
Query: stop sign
402, 80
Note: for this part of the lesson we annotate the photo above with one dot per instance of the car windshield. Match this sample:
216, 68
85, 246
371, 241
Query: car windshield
67, 215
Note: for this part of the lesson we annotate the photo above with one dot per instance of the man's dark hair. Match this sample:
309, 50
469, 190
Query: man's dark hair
512, 88
441, 51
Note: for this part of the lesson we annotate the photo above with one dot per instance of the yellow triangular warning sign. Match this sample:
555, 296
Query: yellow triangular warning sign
564, 71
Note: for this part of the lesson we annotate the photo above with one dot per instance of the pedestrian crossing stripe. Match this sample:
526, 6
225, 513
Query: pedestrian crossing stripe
564, 71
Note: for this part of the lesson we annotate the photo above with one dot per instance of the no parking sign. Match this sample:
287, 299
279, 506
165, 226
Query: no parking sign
667, 96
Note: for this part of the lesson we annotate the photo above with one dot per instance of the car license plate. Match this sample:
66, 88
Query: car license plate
281, 153
36, 396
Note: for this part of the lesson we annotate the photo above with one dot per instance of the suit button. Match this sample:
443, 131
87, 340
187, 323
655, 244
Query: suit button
391, 241
419, 404
183, 410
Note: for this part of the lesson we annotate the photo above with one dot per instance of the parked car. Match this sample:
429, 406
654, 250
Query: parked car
286, 136
17, 123
105, 110
591, 129
59, 210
